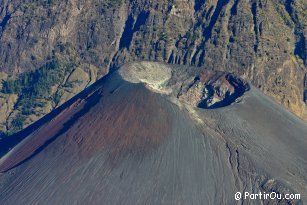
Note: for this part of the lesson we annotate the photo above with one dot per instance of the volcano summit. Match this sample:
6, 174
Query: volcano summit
152, 133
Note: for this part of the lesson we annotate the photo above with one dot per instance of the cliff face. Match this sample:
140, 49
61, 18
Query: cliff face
262, 41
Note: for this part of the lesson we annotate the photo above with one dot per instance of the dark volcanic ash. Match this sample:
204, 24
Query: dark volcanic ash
152, 133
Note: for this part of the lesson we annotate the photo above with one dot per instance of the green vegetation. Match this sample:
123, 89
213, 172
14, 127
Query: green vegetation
18, 122
36, 84
34, 88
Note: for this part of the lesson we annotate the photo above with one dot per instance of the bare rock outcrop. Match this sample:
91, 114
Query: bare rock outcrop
213, 89
204, 88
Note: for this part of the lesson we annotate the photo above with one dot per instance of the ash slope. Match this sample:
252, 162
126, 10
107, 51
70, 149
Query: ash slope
134, 140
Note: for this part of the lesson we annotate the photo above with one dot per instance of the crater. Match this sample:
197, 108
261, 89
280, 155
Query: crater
194, 86
154, 75
211, 89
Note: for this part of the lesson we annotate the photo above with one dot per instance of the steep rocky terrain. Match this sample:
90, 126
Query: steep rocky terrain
131, 138
213, 90
262, 41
